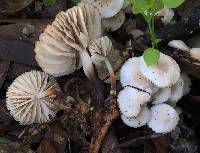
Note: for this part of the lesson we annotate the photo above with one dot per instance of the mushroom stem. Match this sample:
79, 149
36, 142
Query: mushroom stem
112, 77
88, 67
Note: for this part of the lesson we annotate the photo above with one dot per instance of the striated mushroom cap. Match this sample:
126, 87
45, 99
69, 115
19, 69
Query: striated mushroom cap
163, 74
57, 51
167, 15
162, 95
130, 74
195, 53
131, 100
114, 23
187, 83
30, 97
178, 44
101, 50
164, 118
138, 121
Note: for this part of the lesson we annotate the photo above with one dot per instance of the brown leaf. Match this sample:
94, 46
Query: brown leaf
10, 6
162, 144
45, 147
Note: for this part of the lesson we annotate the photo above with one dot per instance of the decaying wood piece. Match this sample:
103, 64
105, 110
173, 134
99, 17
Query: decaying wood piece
108, 116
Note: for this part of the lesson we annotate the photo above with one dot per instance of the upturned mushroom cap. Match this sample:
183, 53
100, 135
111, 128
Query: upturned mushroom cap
162, 95
109, 8
166, 14
101, 49
130, 74
187, 83
177, 91
178, 44
114, 23
138, 121
58, 47
164, 118
131, 100
30, 97
163, 74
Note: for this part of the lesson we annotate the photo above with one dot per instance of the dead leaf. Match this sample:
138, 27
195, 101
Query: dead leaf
10, 6
162, 144
45, 147
17, 51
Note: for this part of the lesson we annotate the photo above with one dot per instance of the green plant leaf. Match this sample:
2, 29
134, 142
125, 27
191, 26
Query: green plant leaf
151, 56
4, 140
139, 6
172, 3
48, 2
75, 1
157, 5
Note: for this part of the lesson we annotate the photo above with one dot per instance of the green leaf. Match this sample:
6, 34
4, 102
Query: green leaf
151, 56
48, 2
4, 140
157, 5
75, 1
139, 6
172, 3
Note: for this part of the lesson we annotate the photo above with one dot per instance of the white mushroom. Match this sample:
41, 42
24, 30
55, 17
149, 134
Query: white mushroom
162, 95
166, 14
114, 23
178, 44
31, 97
130, 74
66, 39
109, 8
177, 91
163, 74
164, 118
195, 53
131, 100
187, 83
127, 6
140, 120
136, 33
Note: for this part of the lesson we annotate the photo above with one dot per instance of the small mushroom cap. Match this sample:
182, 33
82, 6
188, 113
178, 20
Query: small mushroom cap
164, 118
138, 121
109, 8
130, 74
101, 49
57, 51
162, 95
177, 91
30, 97
195, 53
131, 100
163, 74
136, 33
167, 14
114, 23
187, 83
178, 44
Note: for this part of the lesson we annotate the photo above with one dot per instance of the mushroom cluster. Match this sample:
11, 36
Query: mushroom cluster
156, 85
179, 44
31, 97
112, 12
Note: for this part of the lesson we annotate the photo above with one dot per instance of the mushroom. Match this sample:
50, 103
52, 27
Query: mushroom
105, 58
167, 15
114, 23
162, 95
177, 91
187, 83
138, 121
164, 118
163, 74
136, 33
127, 6
179, 44
31, 97
131, 100
67, 37
130, 74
